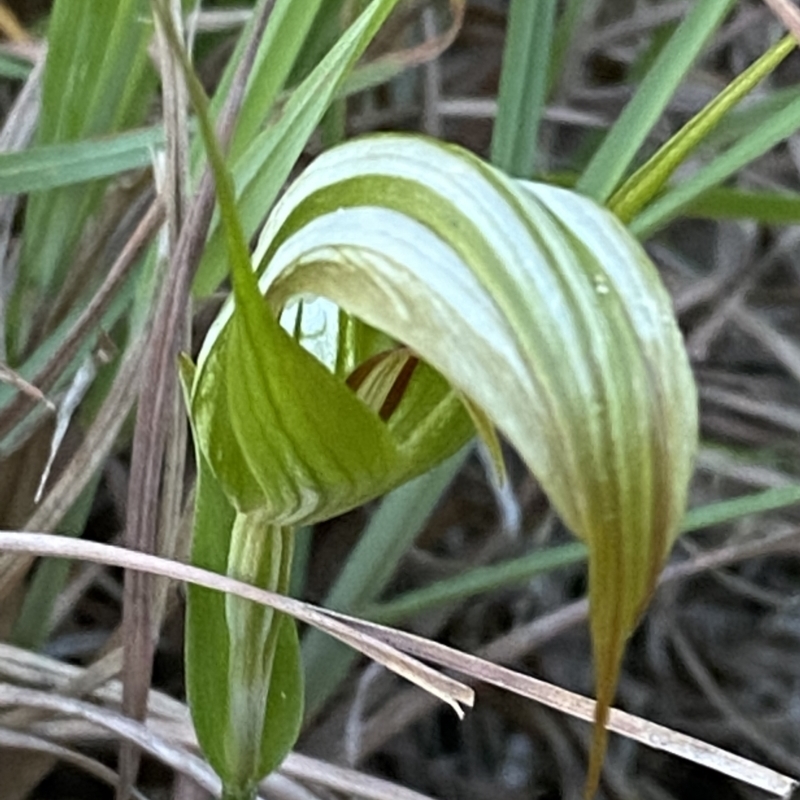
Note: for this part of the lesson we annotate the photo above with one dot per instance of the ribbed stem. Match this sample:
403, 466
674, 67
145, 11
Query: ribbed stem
236, 794
259, 554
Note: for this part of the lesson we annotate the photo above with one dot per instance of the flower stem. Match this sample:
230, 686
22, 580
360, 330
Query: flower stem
259, 554
232, 793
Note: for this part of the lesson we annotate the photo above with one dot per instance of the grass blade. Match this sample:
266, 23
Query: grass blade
522, 569
772, 131
288, 27
647, 181
477, 581
97, 80
523, 85
394, 526
769, 208
623, 141
267, 162
51, 166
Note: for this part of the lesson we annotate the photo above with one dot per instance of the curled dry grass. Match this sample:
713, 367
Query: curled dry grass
388, 647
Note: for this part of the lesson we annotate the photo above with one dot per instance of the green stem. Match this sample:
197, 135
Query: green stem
235, 794
260, 554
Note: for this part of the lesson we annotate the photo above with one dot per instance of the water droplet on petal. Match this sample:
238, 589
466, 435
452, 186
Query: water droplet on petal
601, 285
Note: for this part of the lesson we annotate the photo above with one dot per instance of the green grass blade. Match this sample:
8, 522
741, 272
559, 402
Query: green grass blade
768, 208
564, 33
772, 131
730, 510
746, 118
520, 570
13, 68
647, 181
282, 43
477, 581
523, 85
97, 80
619, 148
33, 625
51, 166
332, 17
267, 162
394, 526
44, 352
